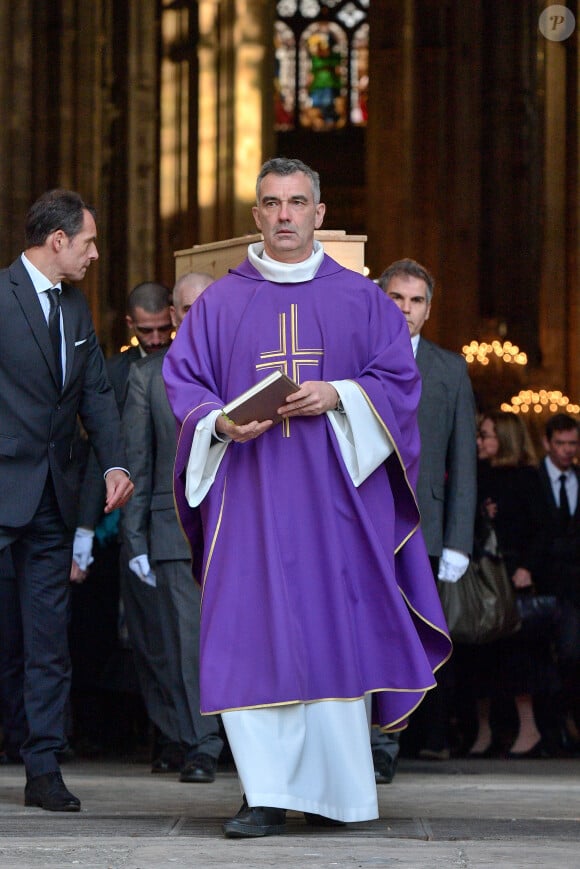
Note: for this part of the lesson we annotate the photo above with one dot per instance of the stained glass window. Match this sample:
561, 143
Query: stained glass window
321, 64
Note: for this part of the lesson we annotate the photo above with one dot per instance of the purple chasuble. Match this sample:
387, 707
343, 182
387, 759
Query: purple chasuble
311, 588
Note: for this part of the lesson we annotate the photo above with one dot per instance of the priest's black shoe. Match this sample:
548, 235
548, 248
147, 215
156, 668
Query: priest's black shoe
49, 792
201, 768
255, 821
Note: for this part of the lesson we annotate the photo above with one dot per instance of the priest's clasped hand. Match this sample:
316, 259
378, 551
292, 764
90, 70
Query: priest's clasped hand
314, 398
241, 433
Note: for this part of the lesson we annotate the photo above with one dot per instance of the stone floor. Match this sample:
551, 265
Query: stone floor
456, 814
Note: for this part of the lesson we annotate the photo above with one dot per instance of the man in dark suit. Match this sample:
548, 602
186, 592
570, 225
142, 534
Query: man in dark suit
148, 318
51, 369
560, 483
12, 715
447, 484
159, 554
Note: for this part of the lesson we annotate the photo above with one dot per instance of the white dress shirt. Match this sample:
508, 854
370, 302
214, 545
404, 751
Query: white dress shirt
571, 484
41, 285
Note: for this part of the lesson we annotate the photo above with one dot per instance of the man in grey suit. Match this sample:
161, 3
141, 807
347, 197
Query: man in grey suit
447, 485
158, 551
51, 369
149, 319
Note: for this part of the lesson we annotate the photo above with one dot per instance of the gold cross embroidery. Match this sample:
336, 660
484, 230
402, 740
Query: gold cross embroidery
298, 357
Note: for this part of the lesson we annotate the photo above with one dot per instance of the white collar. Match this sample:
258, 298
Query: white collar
415, 344
554, 473
40, 281
285, 273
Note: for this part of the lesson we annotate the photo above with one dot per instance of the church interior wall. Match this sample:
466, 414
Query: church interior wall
468, 163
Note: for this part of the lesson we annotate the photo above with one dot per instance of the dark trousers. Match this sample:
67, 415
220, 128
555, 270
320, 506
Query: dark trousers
12, 716
163, 626
42, 553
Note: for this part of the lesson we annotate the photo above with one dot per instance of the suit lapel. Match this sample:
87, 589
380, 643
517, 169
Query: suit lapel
69, 320
576, 515
546, 484
547, 487
423, 360
27, 297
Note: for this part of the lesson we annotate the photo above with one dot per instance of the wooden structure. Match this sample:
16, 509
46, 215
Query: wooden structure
217, 257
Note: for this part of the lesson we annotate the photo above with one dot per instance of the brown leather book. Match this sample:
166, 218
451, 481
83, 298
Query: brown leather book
261, 401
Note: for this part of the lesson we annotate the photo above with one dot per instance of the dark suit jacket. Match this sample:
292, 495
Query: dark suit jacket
92, 500
37, 417
149, 521
447, 485
560, 570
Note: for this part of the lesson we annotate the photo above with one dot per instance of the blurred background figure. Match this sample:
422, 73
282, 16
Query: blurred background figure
560, 574
509, 671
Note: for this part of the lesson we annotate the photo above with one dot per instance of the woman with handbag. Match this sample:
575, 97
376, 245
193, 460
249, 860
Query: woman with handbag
517, 666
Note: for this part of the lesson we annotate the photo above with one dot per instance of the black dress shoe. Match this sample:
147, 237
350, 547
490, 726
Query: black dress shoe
201, 768
322, 821
49, 792
255, 821
385, 767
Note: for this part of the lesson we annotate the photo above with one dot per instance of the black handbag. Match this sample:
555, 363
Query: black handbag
481, 607
539, 614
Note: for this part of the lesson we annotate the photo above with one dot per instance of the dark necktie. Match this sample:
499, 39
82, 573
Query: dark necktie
54, 329
564, 503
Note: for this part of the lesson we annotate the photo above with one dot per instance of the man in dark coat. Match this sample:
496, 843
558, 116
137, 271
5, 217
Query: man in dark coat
51, 370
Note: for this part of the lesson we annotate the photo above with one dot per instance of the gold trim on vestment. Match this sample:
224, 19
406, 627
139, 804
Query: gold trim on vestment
175, 507
408, 537
214, 539
431, 625
384, 728
401, 463
391, 726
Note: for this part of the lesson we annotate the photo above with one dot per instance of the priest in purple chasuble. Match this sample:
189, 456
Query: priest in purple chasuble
317, 593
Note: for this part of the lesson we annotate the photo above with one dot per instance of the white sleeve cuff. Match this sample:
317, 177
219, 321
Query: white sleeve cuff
363, 441
452, 565
207, 452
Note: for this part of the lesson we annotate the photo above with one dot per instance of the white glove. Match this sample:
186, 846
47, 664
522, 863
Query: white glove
141, 568
83, 547
452, 565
